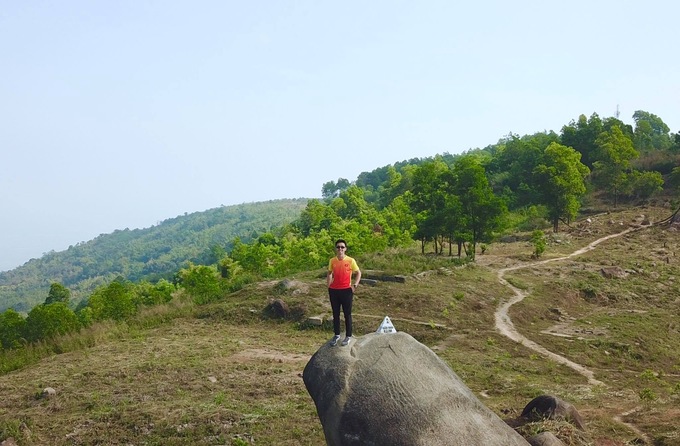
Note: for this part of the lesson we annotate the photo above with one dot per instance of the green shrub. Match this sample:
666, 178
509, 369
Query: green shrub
538, 239
115, 301
202, 283
47, 321
647, 394
12, 327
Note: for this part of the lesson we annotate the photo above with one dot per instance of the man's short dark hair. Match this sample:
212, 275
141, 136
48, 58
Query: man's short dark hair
340, 241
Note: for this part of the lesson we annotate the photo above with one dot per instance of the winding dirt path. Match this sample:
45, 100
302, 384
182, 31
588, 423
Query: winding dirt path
505, 326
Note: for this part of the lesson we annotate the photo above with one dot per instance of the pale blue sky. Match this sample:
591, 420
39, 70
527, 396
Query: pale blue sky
120, 114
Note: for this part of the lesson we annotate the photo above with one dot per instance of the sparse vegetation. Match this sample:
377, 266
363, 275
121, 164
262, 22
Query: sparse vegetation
221, 373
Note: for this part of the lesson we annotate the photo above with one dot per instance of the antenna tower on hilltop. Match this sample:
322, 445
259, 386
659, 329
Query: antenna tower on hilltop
617, 111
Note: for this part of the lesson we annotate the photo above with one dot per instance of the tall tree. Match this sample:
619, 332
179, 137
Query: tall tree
514, 164
675, 178
482, 212
427, 200
354, 205
561, 180
581, 135
315, 217
615, 154
332, 189
454, 221
611, 121
399, 221
397, 184
58, 293
651, 133
675, 147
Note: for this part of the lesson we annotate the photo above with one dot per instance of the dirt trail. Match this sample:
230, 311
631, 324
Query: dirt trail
505, 326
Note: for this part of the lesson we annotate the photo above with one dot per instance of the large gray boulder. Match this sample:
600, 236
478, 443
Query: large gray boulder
389, 389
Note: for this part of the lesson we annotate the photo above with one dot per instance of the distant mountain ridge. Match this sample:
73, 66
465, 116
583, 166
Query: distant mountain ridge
150, 254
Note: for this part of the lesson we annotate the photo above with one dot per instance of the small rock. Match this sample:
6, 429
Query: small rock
48, 392
613, 272
545, 439
316, 321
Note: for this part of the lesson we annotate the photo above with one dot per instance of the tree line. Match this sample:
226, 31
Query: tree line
455, 201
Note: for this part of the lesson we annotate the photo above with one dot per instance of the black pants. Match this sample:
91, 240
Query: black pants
342, 298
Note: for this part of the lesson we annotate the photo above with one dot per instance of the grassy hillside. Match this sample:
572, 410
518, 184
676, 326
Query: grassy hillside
227, 374
150, 253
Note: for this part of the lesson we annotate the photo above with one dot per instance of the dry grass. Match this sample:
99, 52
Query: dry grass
223, 374
189, 382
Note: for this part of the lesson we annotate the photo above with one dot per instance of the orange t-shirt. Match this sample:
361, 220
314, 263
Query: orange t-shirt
342, 272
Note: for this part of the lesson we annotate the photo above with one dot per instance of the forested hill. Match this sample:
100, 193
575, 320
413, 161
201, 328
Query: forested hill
464, 200
149, 254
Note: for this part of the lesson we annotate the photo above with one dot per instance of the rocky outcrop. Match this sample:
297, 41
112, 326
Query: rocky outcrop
389, 389
613, 272
552, 408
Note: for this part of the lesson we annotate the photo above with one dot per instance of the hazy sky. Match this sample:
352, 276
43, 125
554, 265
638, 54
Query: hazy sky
120, 114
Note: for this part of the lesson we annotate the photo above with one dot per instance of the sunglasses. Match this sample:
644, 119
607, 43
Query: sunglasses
340, 247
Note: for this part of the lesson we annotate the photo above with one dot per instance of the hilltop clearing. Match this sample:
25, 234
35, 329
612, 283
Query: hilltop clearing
225, 373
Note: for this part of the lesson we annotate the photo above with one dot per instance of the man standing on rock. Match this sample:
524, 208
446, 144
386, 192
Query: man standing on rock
341, 289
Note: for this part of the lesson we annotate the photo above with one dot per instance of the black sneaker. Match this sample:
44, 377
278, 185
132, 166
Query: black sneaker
334, 340
346, 341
